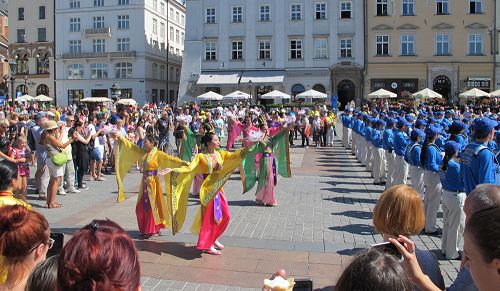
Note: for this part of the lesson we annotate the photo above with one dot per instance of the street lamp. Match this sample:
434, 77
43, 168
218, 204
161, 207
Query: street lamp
250, 87
116, 92
13, 72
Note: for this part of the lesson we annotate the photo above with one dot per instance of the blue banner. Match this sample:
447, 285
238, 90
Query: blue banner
335, 104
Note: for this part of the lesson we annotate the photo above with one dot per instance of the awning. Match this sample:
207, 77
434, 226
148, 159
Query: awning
219, 78
262, 77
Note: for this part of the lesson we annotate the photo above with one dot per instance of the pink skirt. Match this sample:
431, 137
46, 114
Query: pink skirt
145, 219
211, 230
266, 194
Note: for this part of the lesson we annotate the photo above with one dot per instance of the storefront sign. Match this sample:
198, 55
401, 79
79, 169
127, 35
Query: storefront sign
395, 85
478, 82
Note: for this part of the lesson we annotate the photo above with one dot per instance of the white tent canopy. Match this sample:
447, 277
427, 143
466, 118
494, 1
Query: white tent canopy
210, 95
238, 95
275, 95
495, 93
382, 93
474, 93
426, 94
313, 94
42, 98
127, 101
96, 99
24, 98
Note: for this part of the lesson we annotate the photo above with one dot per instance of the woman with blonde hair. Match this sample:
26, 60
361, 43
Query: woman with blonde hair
400, 211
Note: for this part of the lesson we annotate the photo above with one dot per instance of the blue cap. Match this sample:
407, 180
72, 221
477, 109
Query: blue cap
402, 122
466, 120
349, 109
455, 118
439, 113
431, 131
381, 122
457, 126
432, 119
410, 119
416, 133
39, 115
450, 112
391, 121
420, 122
483, 125
451, 147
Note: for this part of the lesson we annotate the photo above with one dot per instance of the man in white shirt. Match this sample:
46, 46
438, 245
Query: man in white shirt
97, 153
69, 168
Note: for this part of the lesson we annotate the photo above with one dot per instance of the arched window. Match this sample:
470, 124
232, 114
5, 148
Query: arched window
75, 71
22, 60
171, 74
42, 89
297, 89
42, 63
163, 72
23, 89
123, 70
155, 70
99, 71
319, 88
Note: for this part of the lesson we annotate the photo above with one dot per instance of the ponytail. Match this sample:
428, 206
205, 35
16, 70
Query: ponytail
423, 154
446, 159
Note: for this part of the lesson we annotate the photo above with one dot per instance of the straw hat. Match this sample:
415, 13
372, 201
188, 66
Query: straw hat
51, 124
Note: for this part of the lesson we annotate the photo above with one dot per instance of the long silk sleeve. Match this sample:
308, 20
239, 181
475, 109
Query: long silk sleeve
236, 129
248, 170
187, 145
281, 151
127, 154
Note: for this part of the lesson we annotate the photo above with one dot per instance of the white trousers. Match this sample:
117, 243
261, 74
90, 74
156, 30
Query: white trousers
329, 137
369, 156
379, 165
432, 199
400, 173
417, 180
363, 150
453, 223
344, 136
354, 146
389, 157
349, 137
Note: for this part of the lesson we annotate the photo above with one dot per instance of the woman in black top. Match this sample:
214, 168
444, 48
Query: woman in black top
81, 156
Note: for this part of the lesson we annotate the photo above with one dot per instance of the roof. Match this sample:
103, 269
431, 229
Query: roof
4, 7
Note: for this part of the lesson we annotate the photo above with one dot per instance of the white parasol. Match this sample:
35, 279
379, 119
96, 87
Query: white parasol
474, 93
42, 98
275, 95
210, 96
313, 94
238, 95
96, 99
426, 94
127, 101
382, 93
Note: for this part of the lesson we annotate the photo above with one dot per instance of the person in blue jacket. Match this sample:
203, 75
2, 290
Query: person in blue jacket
356, 136
430, 159
457, 134
369, 147
478, 161
362, 141
453, 201
412, 157
379, 163
401, 141
388, 145
347, 128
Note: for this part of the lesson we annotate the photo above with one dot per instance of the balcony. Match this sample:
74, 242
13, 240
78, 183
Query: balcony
103, 55
103, 31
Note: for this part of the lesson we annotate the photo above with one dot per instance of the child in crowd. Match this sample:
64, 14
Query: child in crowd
22, 153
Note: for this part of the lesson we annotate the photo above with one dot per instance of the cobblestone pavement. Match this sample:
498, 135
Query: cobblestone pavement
323, 217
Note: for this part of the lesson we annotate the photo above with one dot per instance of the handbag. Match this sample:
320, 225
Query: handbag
60, 159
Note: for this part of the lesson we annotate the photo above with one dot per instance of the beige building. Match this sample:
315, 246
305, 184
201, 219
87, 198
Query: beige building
445, 45
497, 47
4, 46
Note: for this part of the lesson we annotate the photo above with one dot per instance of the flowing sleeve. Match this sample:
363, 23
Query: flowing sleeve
275, 130
236, 129
187, 145
215, 180
281, 151
127, 154
178, 183
248, 170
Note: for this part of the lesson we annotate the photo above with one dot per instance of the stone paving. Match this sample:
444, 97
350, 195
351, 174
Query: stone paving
323, 217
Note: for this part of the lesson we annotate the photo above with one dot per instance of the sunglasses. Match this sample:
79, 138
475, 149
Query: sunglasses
49, 243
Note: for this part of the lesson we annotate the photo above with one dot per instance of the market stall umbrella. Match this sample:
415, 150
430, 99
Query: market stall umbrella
313, 94
24, 98
495, 93
127, 101
96, 99
474, 93
42, 98
426, 94
238, 95
210, 96
382, 93
275, 95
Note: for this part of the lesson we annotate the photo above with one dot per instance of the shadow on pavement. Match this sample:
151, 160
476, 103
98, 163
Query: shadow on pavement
243, 202
355, 214
327, 288
351, 200
175, 249
361, 229
351, 252
348, 190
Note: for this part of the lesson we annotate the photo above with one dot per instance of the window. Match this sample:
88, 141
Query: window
42, 63
155, 26
162, 8
408, 45
442, 7
74, 4
171, 13
177, 74
265, 13
74, 24
296, 12
475, 6
21, 35
237, 14
210, 51
155, 5
177, 17
475, 44
265, 49
177, 36
42, 34
98, 71
442, 44
408, 7
20, 13
171, 33
41, 12
296, 49
123, 22
182, 37
155, 70
177, 51
123, 44
123, 2
75, 71
98, 2
98, 21
171, 73
382, 45
320, 48
22, 64
345, 48
237, 50
74, 96
99, 45
320, 11
345, 10
123, 70
75, 46
183, 20
163, 72
162, 29
381, 7
210, 15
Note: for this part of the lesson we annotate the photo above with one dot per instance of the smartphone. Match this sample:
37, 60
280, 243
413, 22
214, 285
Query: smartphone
388, 248
58, 238
303, 285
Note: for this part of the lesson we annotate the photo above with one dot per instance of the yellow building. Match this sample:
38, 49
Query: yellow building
445, 45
